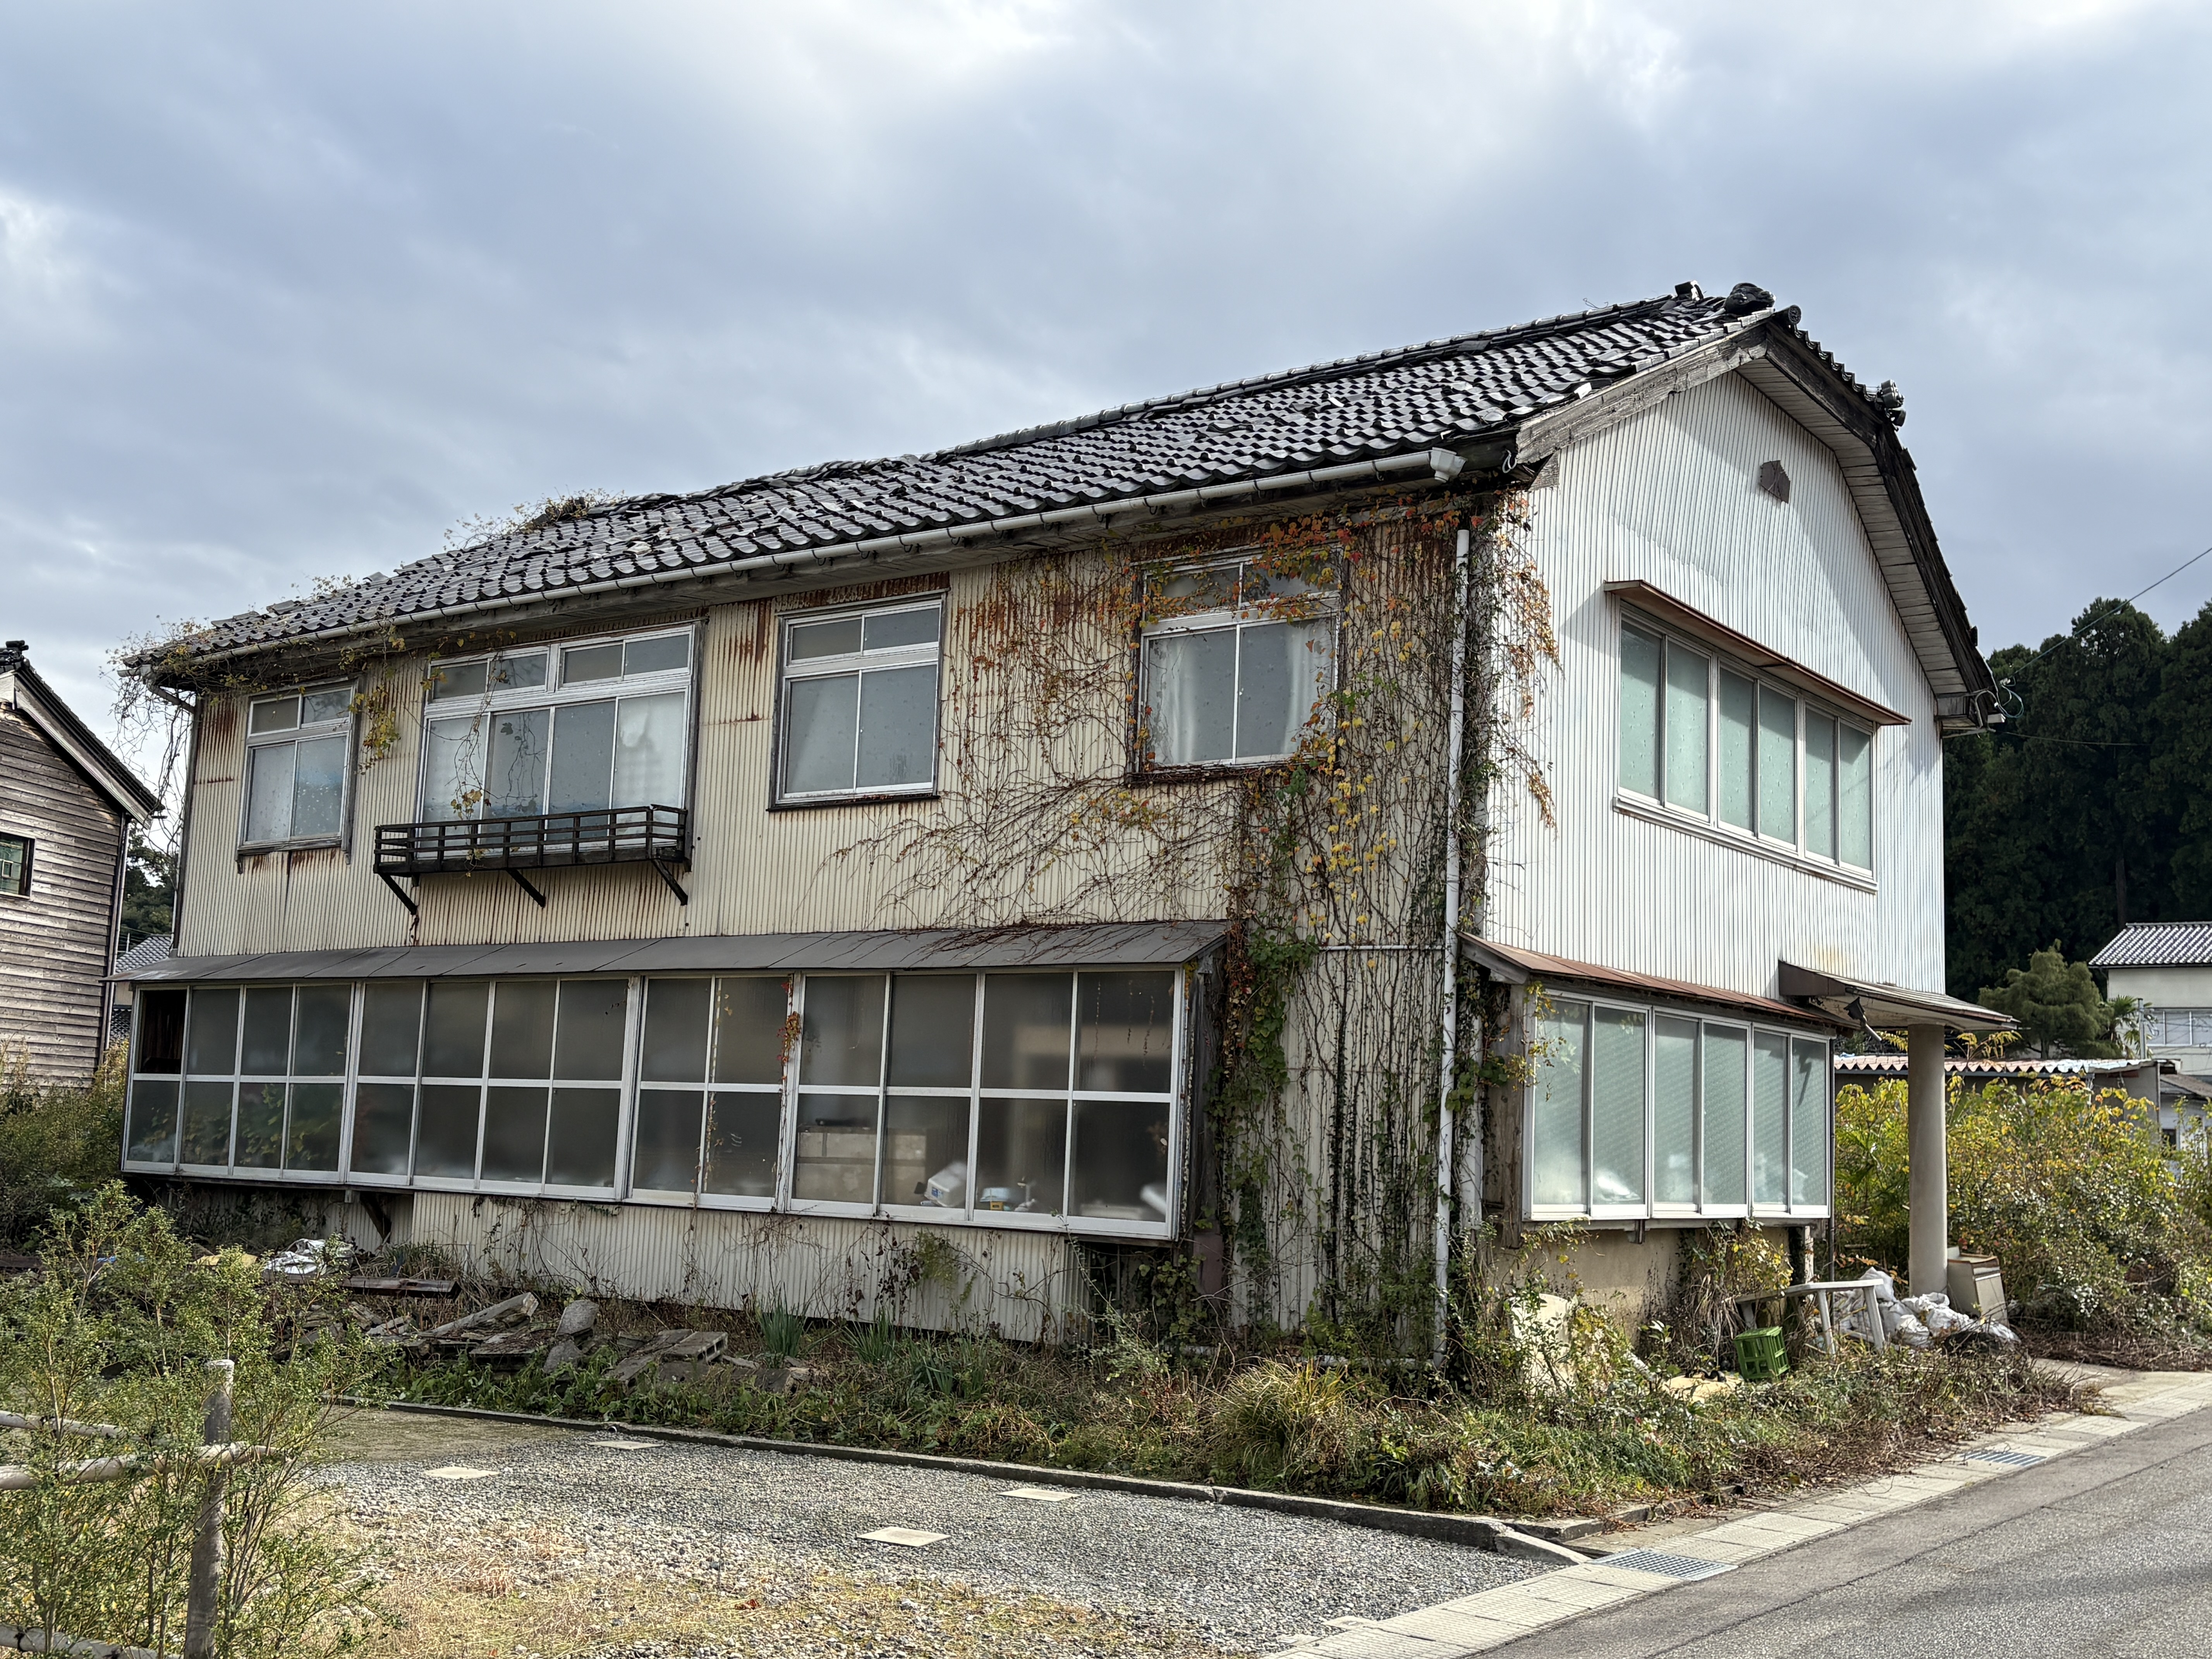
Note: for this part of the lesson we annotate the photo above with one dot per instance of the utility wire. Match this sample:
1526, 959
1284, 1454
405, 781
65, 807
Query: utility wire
2108, 611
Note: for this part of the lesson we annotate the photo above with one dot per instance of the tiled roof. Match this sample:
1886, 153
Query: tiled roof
1899, 1065
149, 952
1446, 394
2158, 945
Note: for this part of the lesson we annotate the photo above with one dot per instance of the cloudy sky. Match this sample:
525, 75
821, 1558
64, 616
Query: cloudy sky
287, 290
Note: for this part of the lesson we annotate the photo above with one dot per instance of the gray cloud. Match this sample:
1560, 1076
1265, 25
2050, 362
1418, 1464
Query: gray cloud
285, 291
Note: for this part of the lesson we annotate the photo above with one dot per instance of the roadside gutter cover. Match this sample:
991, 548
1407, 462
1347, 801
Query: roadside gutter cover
1099, 944
1881, 1005
1516, 966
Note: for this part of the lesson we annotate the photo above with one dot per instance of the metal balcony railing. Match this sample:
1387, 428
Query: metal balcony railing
658, 835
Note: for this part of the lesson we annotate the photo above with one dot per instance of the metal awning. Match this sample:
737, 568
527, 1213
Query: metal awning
1516, 966
1868, 1001
1086, 944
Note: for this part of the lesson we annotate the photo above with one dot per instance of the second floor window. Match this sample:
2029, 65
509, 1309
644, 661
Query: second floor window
295, 766
1235, 664
16, 866
1725, 746
575, 727
859, 703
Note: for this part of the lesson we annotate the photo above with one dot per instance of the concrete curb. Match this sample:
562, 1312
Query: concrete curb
1477, 1531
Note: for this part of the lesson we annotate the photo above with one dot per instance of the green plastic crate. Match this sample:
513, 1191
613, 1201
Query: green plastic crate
1760, 1355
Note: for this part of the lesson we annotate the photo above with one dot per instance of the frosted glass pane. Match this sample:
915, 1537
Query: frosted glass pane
267, 1039
899, 728
157, 1036
582, 664
453, 1044
1557, 1162
1777, 766
649, 751
318, 1042
522, 1028
834, 1161
1025, 1030
656, 656
821, 719
926, 1150
1820, 785
211, 1043
1686, 681
331, 702
260, 1126
1723, 1124
515, 1134
1739, 712
1809, 1112
515, 780
579, 1141
1855, 804
933, 1032
523, 672
665, 1148
1121, 1162
274, 714
1190, 693
1125, 1033
1616, 1107
311, 1135
453, 764
450, 681
1769, 1117
153, 1121
1021, 1155
383, 1121
1674, 1110
1282, 669
583, 759
391, 1015
886, 631
840, 638
741, 1133
446, 1140
750, 1015
841, 1035
1639, 712
268, 795
677, 1011
594, 1017
204, 1135
319, 787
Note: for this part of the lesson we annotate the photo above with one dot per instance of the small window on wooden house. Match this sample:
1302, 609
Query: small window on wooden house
14, 867
297, 773
859, 703
1237, 657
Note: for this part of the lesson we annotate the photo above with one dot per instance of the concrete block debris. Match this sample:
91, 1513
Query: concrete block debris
513, 1311
911, 1538
579, 1319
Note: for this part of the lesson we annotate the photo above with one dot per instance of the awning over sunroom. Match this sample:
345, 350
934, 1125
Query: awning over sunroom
1516, 966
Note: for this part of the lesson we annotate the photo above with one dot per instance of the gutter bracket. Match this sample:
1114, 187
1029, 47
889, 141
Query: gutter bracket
397, 893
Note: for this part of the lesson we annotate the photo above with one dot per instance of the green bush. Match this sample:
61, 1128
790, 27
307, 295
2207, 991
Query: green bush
57, 1142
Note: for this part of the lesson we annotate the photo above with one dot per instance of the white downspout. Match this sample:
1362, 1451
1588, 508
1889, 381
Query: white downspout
1448, 1066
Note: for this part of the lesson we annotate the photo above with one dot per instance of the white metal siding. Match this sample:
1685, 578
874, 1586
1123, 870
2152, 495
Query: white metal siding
1671, 497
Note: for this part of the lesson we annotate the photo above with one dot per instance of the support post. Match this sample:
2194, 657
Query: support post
1448, 1061
205, 1583
1929, 1218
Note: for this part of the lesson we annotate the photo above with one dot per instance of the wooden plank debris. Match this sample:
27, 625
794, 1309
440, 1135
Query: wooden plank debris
513, 1309
438, 1287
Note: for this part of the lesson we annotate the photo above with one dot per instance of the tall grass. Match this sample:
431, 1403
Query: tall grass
57, 1142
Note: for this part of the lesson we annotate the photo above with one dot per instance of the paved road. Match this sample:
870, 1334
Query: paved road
2107, 1553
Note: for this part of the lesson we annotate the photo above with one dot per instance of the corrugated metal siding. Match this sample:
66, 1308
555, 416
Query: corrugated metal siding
1671, 498
1024, 1285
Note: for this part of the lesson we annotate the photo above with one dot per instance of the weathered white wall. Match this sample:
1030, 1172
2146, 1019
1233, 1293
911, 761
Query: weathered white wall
1671, 497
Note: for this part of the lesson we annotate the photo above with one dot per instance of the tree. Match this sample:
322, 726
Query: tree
2055, 1000
150, 886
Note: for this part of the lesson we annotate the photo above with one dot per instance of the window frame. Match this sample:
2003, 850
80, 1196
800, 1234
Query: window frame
856, 663
1654, 1210
1326, 605
29, 844
1806, 706
555, 693
346, 726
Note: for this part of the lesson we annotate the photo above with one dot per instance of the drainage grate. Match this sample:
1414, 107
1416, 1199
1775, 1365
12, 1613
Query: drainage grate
2011, 1460
1661, 1565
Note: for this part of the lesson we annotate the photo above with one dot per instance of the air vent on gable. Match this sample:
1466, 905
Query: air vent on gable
1773, 480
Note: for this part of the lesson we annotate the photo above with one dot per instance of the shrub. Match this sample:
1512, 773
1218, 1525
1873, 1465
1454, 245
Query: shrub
57, 1142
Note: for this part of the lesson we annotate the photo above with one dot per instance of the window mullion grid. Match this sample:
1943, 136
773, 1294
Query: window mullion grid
976, 1097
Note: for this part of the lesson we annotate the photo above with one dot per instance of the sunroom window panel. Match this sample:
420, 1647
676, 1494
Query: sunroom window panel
1021, 1155
521, 1028
1191, 691
677, 1013
1687, 726
932, 1043
318, 1041
1808, 1110
260, 1142
1617, 1103
1119, 1169
1674, 1110
265, 1048
926, 1150
1777, 765
1855, 804
899, 728
212, 1039
590, 1030
383, 1127
1738, 724
841, 1030
1560, 1162
1026, 1028
649, 734
315, 1117
751, 1017
1124, 1033
1641, 655
835, 1159
665, 1147
157, 1037
742, 1126
515, 1134
1770, 1118
390, 1026
203, 1134
454, 1034
1820, 785
580, 1137
153, 1120
1722, 1126
446, 1138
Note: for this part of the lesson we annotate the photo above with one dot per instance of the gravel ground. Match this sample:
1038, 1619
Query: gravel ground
1169, 1575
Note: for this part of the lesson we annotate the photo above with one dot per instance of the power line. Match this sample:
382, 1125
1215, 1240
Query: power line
2108, 609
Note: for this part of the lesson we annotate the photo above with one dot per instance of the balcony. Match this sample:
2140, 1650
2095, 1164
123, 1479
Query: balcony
658, 835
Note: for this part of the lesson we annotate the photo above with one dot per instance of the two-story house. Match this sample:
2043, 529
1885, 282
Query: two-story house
67, 804
1286, 828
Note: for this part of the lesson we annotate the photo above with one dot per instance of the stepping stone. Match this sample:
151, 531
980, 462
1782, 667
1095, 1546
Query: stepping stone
1037, 1494
458, 1472
616, 1444
905, 1536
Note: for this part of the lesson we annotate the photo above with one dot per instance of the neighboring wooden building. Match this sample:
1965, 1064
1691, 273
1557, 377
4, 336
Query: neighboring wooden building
66, 806
1295, 825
